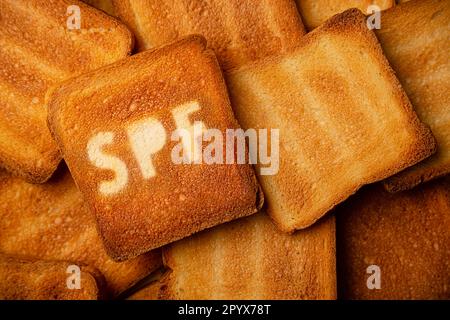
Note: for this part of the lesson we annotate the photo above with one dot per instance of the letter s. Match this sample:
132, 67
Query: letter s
108, 162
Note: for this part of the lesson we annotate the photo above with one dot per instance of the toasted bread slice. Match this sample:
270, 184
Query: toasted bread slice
251, 259
406, 235
105, 125
105, 5
37, 50
343, 117
316, 12
52, 222
415, 38
238, 31
23, 279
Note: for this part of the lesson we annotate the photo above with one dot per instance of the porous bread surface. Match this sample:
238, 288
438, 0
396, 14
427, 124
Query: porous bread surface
105, 5
251, 259
239, 31
23, 279
415, 38
37, 50
343, 117
406, 235
52, 222
316, 12
181, 198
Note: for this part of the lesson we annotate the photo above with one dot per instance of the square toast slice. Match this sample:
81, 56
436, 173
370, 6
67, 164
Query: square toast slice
37, 50
116, 127
52, 222
343, 117
406, 235
415, 38
316, 12
238, 31
24, 279
251, 259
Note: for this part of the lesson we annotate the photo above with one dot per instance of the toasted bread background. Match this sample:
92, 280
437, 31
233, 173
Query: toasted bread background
339, 109
406, 234
52, 222
23, 279
415, 38
251, 259
180, 199
316, 12
37, 50
105, 5
239, 31
344, 121
149, 292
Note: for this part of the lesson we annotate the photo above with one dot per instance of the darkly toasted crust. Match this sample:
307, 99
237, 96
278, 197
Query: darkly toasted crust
25, 279
406, 234
149, 292
180, 199
415, 37
344, 119
38, 51
251, 259
316, 12
239, 31
52, 222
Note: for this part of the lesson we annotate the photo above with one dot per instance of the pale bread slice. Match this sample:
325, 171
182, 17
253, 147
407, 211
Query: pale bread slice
316, 12
251, 259
415, 38
343, 117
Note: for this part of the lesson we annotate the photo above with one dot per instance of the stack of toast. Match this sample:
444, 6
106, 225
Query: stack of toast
237, 149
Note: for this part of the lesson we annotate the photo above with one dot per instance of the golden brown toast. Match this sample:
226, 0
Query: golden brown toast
37, 50
238, 31
316, 12
105, 5
407, 235
122, 118
343, 117
251, 259
52, 222
23, 279
415, 38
